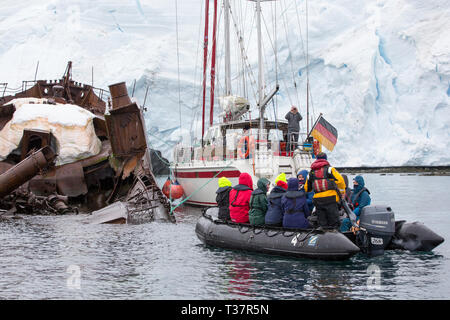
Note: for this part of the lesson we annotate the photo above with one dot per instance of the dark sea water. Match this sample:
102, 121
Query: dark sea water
43, 258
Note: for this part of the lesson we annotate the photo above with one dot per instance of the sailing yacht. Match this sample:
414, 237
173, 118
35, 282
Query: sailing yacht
237, 143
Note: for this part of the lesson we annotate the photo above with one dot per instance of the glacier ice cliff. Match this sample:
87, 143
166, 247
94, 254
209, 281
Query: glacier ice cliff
379, 70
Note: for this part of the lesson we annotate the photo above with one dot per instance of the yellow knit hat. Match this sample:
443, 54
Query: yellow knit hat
282, 177
224, 182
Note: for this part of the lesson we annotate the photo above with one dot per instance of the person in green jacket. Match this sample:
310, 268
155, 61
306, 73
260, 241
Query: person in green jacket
258, 203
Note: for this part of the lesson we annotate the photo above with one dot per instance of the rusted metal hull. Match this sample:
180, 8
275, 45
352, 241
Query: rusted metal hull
126, 131
25, 170
117, 184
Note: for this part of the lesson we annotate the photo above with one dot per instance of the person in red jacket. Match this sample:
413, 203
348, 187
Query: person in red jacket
240, 198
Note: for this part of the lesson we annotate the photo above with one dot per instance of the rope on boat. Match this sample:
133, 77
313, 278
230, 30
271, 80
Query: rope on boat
198, 189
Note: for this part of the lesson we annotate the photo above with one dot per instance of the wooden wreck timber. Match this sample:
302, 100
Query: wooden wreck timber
97, 162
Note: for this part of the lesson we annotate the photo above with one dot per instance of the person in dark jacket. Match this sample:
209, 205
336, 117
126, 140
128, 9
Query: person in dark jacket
222, 198
295, 207
293, 117
258, 203
274, 214
301, 176
240, 199
360, 198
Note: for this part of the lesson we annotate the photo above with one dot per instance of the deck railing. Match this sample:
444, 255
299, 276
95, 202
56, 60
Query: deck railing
235, 146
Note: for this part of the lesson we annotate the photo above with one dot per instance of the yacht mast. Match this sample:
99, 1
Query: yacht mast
213, 66
227, 47
205, 60
307, 70
260, 69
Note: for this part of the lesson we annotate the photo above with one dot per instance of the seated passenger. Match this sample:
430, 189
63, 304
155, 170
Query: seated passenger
274, 214
295, 208
360, 198
258, 203
222, 198
240, 199
302, 176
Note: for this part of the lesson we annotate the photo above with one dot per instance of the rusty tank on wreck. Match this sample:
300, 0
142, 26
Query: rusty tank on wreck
68, 147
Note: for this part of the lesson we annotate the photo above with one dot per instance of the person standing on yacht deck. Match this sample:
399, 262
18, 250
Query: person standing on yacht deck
293, 117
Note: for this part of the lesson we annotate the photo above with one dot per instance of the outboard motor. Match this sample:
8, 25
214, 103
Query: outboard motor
377, 226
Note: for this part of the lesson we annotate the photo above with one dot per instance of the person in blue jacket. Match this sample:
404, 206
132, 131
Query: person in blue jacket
301, 176
274, 214
360, 198
295, 207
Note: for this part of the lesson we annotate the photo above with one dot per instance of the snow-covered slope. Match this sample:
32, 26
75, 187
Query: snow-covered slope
379, 70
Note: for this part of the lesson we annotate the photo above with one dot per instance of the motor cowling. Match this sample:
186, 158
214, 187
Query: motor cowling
377, 226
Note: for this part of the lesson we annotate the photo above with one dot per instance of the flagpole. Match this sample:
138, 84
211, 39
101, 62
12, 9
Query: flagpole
320, 116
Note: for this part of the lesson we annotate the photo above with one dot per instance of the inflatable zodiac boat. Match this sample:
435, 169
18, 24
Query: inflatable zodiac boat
378, 231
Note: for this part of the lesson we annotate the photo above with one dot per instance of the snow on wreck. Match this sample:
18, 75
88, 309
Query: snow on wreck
64, 149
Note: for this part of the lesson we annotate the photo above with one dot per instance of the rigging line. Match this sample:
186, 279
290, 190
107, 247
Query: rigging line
291, 55
14, 89
245, 15
219, 86
242, 24
282, 78
308, 88
252, 78
251, 30
274, 18
300, 32
201, 187
275, 101
307, 61
244, 55
178, 68
238, 69
194, 89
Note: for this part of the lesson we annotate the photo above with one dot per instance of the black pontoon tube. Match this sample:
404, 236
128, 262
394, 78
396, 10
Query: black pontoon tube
301, 243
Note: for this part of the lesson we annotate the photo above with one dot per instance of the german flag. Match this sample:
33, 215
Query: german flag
325, 133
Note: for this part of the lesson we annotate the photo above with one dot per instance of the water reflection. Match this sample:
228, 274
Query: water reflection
239, 273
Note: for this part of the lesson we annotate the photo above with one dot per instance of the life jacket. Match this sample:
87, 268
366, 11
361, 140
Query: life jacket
356, 204
322, 179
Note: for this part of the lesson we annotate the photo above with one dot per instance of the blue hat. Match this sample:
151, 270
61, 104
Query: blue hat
322, 155
304, 173
293, 184
360, 180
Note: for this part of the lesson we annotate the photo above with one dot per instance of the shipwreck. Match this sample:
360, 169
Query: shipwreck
68, 147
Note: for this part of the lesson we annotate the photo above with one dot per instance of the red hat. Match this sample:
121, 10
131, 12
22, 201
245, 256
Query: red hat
282, 184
